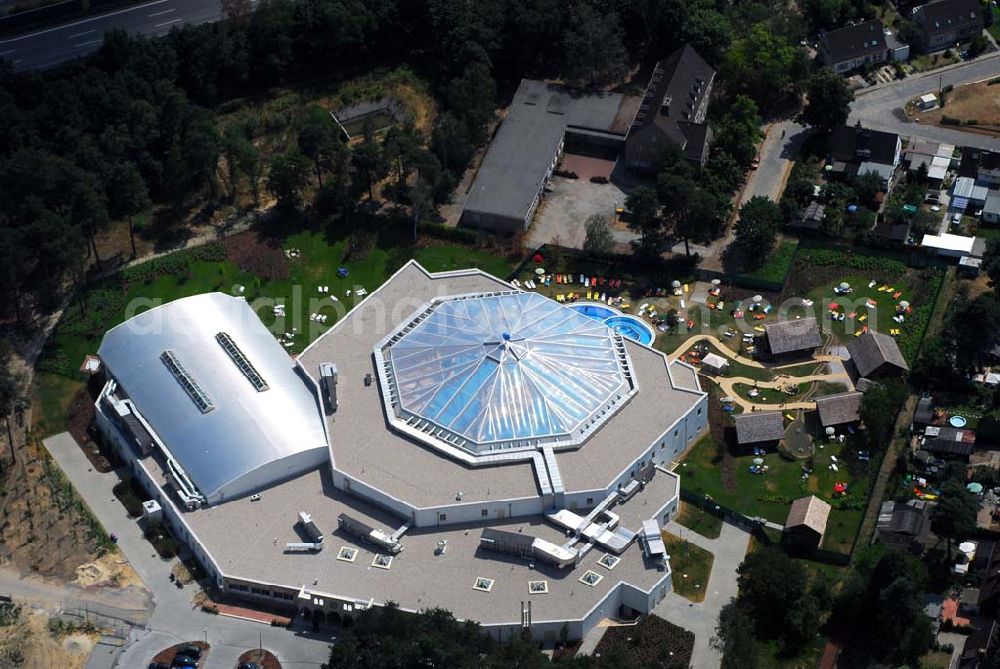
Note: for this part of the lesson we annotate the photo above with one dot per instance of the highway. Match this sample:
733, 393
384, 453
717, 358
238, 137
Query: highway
51, 46
881, 107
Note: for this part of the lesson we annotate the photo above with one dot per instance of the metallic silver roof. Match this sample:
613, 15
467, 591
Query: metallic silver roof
248, 428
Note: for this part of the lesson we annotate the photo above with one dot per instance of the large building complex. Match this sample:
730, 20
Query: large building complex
451, 442
545, 119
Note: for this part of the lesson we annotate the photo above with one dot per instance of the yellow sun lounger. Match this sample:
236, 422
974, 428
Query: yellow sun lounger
859, 333
862, 318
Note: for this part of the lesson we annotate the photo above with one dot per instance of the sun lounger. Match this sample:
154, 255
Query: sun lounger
312, 317
862, 318
871, 284
604, 297
517, 284
896, 295
767, 309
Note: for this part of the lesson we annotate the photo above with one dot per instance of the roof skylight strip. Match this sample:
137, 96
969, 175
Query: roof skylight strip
241, 361
190, 386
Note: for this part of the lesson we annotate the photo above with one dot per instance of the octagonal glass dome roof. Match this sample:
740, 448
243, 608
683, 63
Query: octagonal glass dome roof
503, 371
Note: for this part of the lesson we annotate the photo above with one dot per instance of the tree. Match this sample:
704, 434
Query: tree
829, 101
755, 233
644, 207
598, 237
879, 407
867, 186
12, 390
288, 176
368, 160
90, 209
237, 12
972, 329
764, 65
593, 44
319, 140
735, 637
991, 261
128, 196
955, 514
703, 219
738, 131
402, 148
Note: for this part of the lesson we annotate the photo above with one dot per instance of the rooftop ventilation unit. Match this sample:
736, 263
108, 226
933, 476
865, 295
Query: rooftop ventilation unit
312, 531
328, 383
368, 534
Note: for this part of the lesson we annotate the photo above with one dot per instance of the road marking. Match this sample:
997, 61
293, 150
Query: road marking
85, 32
167, 23
83, 44
165, 11
7, 52
82, 21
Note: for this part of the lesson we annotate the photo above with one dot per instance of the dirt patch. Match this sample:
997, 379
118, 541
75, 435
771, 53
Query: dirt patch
108, 570
80, 424
28, 641
256, 255
44, 526
264, 658
976, 104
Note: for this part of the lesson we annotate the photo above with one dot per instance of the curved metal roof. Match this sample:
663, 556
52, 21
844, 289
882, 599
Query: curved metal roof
219, 391
502, 371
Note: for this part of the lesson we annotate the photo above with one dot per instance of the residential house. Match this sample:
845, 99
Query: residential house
806, 523
967, 194
672, 112
945, 23
904, 526
839, 409
855, 150
935, 158
759, 428
948, 442
980, 165
954, 246
855, 46
876, 355
798, 337
991, 208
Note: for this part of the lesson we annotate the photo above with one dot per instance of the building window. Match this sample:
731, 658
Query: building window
442, 517
699, 411
484, 513
590, 501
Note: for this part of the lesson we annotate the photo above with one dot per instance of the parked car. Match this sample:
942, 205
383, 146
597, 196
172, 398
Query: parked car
249, 665
755, 163
184, 662
190, 651
956, 218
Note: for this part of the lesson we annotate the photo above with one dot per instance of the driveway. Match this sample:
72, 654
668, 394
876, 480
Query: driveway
701, 618
175, 618
881, 107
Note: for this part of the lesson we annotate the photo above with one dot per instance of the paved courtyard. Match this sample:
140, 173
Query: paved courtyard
564, 212
176, 618
729, 550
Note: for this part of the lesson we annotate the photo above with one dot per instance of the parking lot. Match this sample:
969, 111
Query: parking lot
565, 209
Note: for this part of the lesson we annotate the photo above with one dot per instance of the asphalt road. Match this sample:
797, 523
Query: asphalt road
51, 46
880, 107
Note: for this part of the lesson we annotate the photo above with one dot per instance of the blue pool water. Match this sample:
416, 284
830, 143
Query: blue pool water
628, 326
631, 327
596, 311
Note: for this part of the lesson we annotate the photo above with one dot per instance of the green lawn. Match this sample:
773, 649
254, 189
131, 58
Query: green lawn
207, 269
777, 264
818, 271
995, 26
690, 567
770, 395
694, 518
729, 481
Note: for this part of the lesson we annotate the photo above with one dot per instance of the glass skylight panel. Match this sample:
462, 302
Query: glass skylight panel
241, 361
190, 386
496, 369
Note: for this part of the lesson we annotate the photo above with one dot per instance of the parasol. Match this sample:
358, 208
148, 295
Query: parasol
540, 271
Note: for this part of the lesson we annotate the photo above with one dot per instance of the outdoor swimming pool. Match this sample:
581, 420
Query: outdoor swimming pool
596, 311
958, 421
628, 326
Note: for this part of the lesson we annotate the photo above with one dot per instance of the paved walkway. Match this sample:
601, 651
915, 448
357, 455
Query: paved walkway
701, 618
728, 383
176, 618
